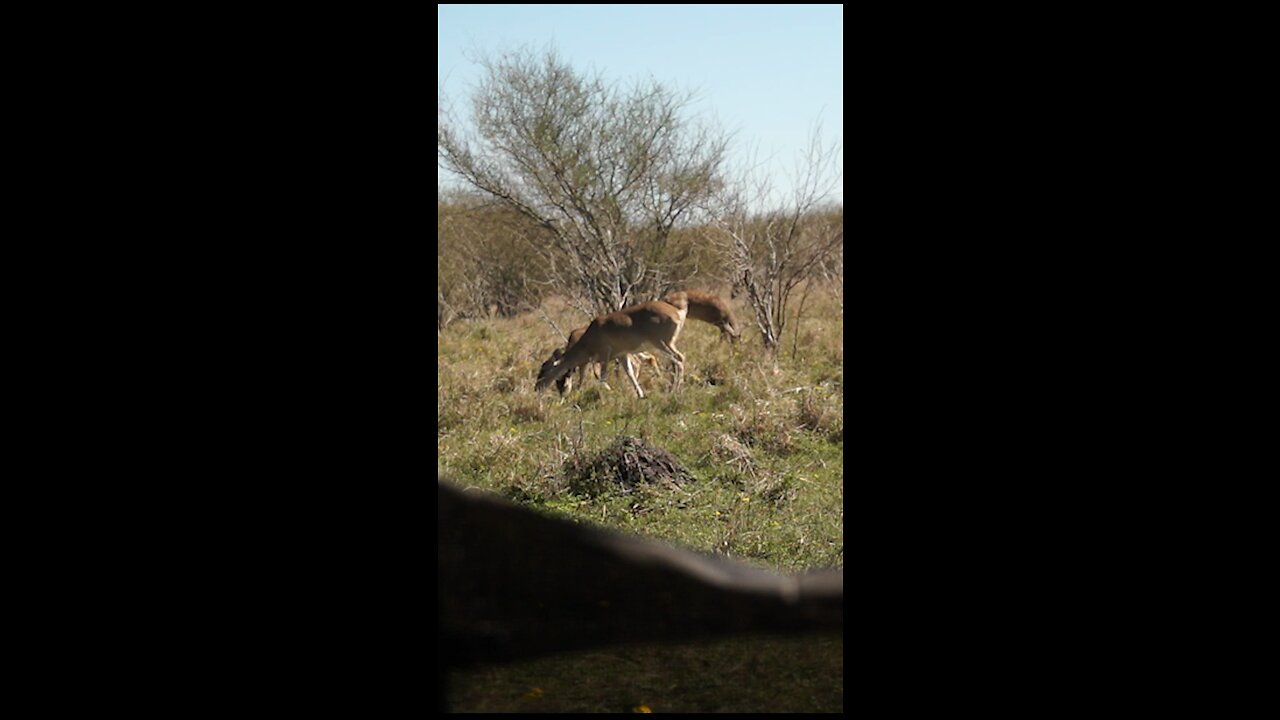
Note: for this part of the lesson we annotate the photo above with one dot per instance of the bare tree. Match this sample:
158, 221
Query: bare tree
606, 172
774, 246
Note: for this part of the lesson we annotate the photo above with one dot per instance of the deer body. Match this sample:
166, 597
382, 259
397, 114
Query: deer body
599, 369
618, 334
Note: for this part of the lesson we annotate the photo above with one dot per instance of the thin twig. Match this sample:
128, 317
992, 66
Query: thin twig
560, 334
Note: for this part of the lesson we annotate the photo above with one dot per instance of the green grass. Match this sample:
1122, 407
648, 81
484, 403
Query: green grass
764, 443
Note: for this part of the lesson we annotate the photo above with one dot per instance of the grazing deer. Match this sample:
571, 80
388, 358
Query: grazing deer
710, 308
618, 334
599, 370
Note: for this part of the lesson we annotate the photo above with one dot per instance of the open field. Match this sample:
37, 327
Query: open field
763, 444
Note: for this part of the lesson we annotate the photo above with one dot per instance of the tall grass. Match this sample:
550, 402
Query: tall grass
763, 438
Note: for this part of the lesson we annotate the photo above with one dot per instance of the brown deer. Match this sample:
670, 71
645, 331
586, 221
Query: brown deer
599, 370
712, 309
618, 334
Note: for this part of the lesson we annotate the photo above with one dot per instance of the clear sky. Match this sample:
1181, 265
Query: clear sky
768, 72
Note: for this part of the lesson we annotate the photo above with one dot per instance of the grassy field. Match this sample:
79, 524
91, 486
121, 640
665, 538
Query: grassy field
763, 442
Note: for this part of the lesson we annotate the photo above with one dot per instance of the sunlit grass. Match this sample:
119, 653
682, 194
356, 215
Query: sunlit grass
763, 440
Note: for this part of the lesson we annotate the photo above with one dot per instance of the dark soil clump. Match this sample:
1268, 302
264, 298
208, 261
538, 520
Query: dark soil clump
628, 462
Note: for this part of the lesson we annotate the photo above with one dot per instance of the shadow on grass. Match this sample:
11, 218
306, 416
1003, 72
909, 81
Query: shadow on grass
741, 674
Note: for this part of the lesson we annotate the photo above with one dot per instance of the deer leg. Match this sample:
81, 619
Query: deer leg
677, 359
631, 375
602, 371
566, 382
676, 334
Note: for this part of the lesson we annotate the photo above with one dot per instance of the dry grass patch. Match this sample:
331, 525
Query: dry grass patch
760, 424
728, 450
774, 488
528, 408
821, 413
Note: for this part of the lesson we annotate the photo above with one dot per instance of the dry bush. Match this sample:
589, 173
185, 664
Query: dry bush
485, 265
772, 252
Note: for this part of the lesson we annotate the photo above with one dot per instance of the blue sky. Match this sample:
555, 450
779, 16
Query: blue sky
768, 72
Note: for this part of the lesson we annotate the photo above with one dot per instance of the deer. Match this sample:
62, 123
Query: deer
656, 324
600, 371
712, 309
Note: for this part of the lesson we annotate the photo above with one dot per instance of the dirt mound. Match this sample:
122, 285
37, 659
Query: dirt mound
628, 462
